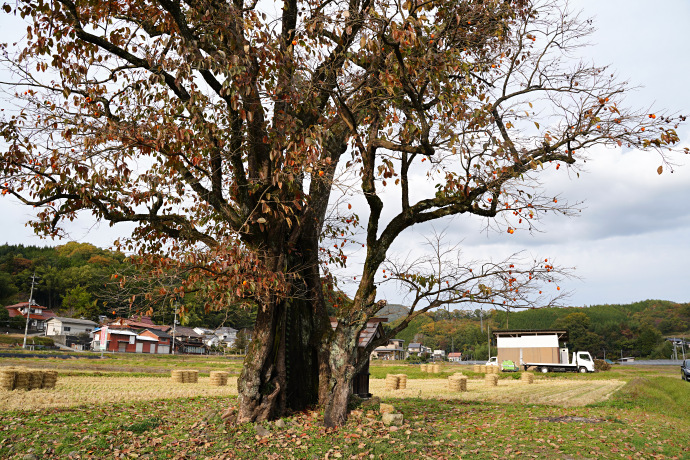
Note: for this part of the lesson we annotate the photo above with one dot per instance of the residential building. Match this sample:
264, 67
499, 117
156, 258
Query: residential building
439, 354
189, 342
38, 315
58, 325
162, 347
415, 349
455, 357
394, 350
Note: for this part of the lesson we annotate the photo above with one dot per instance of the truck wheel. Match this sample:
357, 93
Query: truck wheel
583, 370
544, 370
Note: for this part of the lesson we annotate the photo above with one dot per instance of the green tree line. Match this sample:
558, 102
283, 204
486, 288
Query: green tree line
638, 329
82, 280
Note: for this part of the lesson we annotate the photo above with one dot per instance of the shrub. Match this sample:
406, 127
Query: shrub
601, 365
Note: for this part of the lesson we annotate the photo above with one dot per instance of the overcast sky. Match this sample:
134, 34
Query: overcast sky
631, 241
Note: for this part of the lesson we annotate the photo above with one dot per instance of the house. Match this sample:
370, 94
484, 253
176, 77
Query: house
38, 315
117, 340
415, 349
394, 350
132, 335
58, 325
203, 331
372, 330
455, 357
141, 322
227, 336
187, 341
530, 346
439, 354
164, 341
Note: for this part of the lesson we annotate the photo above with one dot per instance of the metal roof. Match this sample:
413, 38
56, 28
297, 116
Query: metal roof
562, 333
73, 320
371, 331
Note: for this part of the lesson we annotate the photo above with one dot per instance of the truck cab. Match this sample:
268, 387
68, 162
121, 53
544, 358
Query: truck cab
493, 361
584, 362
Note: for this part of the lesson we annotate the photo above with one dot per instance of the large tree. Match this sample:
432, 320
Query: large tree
230, 131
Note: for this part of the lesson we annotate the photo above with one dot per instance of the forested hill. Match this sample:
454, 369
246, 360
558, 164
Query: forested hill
667, 317
78, 280
636, 329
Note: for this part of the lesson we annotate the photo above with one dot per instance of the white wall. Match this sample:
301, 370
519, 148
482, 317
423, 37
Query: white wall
528, 341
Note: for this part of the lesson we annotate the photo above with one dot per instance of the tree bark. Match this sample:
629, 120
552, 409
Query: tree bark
343, 368
287, 360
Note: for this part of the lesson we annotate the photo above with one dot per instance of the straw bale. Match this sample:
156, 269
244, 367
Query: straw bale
402, 381
392, 381
482, 368
491, 380
457, 383
22, 380
437, 368
35, 379
177, 375
476, 368
193, 376
527, 377
218, 378
423, 367
49, 379
7, 378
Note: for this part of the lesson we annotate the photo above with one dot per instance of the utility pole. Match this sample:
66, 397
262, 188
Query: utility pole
174, 326
28, 314
488, 337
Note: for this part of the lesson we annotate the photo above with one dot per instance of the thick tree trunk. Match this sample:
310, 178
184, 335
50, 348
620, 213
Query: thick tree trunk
281, 369
287, 360
343, 368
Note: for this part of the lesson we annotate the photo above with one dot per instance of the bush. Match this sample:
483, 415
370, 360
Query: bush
601, 365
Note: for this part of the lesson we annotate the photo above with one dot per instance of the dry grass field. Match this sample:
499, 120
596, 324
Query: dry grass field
564, 393
73, 391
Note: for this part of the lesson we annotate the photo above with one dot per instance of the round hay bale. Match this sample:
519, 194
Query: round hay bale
437, 368
193, 376
476, 368
49, 379
491, 380
7, 378
23, 380
482, 368
423, 367
402, 381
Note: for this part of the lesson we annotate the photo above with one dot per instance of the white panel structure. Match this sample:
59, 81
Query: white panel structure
528, 341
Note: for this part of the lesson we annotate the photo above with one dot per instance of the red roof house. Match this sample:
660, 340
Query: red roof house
38, 314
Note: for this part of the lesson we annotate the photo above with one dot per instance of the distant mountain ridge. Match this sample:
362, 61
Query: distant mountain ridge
393, 312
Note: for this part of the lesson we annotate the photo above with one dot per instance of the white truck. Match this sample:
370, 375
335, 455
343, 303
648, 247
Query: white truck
582, 362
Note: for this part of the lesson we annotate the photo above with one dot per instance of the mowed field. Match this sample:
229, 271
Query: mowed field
127, 406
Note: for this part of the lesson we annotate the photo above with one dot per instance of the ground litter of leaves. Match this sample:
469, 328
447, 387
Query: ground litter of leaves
184, 428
